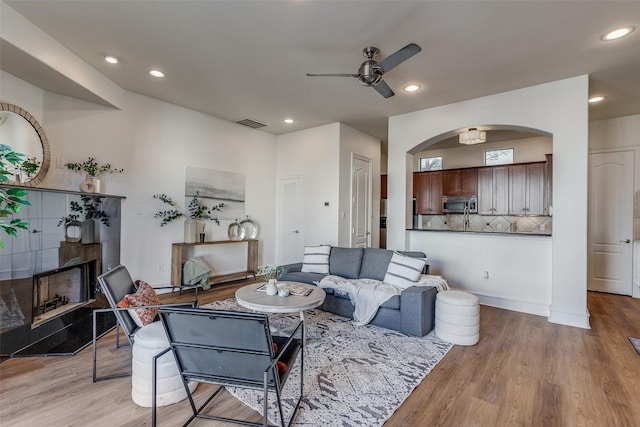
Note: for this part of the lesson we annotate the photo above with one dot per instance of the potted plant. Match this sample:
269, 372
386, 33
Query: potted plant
93, 170
29, 167
91, 209
11, 198
196, 211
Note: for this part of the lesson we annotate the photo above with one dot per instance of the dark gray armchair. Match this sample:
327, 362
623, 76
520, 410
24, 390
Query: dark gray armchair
115, 284
230, 348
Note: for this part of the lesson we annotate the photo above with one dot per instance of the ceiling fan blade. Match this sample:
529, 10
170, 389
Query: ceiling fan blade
397, 58
383, 89
333, 75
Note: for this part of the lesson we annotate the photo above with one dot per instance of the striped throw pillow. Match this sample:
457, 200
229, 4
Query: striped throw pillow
404, 271
316, 259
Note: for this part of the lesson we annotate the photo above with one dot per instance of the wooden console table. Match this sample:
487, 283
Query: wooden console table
178, 258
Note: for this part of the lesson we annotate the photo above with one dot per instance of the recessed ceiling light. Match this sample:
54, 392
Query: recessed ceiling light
156, 73
111, 59
617, 33
595, 99
288, 121
411, 88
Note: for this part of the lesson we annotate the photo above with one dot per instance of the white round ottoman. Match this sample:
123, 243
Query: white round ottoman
149, 341
458, 317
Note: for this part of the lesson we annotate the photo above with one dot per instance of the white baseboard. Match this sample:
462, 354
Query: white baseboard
531, 307
570, 319
513, 304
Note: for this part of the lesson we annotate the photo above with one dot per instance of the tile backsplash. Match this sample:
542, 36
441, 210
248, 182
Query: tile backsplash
487, 224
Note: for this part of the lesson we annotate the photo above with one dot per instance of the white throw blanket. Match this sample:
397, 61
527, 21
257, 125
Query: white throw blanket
367, 295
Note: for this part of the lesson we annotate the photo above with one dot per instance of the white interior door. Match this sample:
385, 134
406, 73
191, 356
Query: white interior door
360, 202
610, 235
290, 219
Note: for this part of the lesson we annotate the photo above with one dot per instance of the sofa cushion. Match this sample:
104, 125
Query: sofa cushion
374, 263
345, 262
299, 276
316, 259
392, 303
403, 271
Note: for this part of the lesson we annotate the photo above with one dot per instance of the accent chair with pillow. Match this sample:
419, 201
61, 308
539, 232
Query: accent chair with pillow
411, 310
134, 304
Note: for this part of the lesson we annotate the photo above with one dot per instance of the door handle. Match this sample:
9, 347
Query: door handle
296, 231
625, 241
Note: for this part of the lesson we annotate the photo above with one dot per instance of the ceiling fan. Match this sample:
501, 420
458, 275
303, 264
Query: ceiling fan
370, 72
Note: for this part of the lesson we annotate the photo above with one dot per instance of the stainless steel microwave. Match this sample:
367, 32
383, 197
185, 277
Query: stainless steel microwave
459, 204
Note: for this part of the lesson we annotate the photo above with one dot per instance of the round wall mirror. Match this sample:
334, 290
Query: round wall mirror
22, 132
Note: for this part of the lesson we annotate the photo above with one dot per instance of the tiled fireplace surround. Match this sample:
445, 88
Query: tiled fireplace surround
512, 224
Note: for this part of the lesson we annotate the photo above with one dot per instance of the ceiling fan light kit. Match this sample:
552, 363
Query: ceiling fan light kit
370, 71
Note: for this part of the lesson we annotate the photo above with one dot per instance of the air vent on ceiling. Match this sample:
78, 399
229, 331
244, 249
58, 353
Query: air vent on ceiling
251, 123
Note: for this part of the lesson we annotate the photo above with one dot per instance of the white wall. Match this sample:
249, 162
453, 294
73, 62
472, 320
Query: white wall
463, 259
313, 155
623, 134
524, 150
558, 108
154, 142
355, 142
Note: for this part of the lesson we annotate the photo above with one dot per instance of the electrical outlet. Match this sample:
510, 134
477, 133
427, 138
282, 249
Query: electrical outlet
486, 274
60, 163
499, 226
161, 268
429, 224
542, 227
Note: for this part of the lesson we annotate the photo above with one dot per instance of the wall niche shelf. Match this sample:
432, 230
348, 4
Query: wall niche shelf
179, 254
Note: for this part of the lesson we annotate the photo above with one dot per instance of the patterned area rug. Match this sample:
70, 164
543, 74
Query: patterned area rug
354, 375
635, 342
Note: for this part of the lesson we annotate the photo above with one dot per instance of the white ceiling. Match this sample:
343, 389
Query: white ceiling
247, 59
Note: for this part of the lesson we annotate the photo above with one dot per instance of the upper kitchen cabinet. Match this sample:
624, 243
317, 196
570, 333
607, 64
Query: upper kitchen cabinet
526, 189
383, 186
493, 190
460, 182
427, 189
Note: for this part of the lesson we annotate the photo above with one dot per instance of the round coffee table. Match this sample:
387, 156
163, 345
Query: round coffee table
249, 297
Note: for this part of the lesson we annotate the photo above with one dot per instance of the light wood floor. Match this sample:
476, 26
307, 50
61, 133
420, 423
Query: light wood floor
524, 371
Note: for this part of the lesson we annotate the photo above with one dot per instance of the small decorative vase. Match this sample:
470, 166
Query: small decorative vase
73, 231
88, 231
190, 230
284, 292
235, 232
272, 288
88, 185
97, 184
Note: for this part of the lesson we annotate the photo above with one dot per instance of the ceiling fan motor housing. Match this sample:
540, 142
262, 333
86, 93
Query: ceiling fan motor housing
370, 75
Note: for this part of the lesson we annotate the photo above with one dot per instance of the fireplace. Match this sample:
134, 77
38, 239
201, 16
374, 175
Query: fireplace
48, 281
59, 291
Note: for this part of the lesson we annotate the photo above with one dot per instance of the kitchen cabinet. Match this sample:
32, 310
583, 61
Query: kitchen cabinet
526, 189
493, 190
460, 182
427, 189
383, 186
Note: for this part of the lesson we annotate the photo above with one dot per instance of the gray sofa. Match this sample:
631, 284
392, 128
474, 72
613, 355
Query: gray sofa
412, 312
